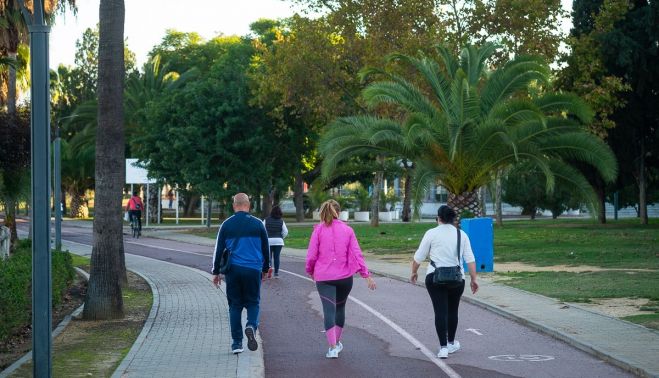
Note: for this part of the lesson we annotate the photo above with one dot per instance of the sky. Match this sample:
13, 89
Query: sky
147, 21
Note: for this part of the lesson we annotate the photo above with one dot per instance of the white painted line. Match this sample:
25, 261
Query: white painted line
170, 249
416, 343
521, 358
151, 246
474, 330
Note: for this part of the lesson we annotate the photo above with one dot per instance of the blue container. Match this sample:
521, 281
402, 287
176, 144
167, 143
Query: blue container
481, 236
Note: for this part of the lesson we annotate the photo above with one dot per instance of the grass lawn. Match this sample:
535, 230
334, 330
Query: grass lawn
622, 244
96, 348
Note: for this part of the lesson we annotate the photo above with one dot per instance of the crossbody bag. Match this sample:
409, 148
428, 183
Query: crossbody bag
448, 275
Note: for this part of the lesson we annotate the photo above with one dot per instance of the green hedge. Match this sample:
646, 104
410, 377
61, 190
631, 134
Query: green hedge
16, 286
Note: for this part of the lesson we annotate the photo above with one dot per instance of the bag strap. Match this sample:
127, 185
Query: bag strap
458, 251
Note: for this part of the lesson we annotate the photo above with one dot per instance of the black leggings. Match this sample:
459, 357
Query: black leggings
445, 302
275, 252
333, 295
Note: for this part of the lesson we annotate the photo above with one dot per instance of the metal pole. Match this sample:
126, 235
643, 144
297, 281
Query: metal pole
57, 167
147, 204
159, 203
615, 205
40, 158
202, 210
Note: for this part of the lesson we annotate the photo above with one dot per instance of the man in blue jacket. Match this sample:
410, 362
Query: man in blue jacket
246, 238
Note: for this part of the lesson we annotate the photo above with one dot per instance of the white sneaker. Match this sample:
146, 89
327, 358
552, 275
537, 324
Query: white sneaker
452, 348
339, 347
332, 353
443, 352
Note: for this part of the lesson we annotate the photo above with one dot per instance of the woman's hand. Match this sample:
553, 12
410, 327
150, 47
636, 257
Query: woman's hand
474, 286
414, 277
370, 282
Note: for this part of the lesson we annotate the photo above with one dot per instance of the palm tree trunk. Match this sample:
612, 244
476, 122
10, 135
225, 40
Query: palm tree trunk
104, 296
461, 203
78, 207
499, 210
375, 198
298, 197
407, 200
11, 86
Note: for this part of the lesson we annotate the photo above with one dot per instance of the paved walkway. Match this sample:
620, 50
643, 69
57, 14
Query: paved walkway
187, 329
630, 346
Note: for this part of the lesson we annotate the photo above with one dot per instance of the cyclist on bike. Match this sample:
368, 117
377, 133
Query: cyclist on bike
134, 208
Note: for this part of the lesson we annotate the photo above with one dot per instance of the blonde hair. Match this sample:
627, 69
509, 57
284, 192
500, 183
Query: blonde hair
329, 211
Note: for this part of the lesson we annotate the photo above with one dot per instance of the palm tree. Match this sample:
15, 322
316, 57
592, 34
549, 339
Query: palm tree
104, 296
463, 123
14, 33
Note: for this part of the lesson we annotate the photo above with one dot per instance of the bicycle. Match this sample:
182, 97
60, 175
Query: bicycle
135, 227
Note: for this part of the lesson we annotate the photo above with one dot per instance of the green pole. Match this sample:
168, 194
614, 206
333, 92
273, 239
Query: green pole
40, 222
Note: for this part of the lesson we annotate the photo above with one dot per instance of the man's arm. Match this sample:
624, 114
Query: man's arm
265, 249
220, 244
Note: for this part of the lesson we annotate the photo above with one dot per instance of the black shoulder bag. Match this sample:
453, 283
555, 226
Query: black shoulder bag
448, 275
225, 261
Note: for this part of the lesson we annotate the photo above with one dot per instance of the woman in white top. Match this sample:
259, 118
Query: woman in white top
440, 244
277, 231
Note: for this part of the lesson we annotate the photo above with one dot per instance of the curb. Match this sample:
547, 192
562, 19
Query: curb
148, 324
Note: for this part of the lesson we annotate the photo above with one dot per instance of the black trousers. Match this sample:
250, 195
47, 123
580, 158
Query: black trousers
333, 296
445, 301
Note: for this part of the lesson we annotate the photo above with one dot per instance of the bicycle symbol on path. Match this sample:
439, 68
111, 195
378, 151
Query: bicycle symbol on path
521, 358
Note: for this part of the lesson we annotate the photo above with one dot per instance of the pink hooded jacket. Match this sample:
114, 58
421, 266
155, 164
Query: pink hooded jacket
334, 253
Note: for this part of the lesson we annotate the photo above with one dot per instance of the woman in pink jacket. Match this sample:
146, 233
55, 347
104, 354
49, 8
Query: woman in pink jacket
333, 257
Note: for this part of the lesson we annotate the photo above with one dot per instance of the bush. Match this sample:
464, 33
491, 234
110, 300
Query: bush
16, 286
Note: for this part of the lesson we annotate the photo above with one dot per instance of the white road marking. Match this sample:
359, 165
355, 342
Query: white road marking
170, 249
474, 330
521, 358
151, 246
416, 343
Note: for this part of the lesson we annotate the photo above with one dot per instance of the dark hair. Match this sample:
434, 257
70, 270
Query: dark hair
136, 193
276, 212
446, 214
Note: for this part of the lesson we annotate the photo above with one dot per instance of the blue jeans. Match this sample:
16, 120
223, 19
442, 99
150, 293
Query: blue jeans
275, 252
243, 291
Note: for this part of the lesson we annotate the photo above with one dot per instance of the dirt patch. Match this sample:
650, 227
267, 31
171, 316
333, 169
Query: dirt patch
523, 267
20, 343
618, 307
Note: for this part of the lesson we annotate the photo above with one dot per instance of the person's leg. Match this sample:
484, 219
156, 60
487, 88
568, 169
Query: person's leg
453, 299
251, 294
139, 220
439, 299
343, 288
235, 301
276, 252
327, 293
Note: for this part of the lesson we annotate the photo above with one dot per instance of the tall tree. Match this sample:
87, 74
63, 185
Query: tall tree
585, 74
471, 123
104, 297
631, 51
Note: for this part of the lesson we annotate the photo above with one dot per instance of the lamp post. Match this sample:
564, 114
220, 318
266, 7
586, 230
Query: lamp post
40, 156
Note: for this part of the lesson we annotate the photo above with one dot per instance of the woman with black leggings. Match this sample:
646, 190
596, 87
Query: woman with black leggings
333, 257
440, 244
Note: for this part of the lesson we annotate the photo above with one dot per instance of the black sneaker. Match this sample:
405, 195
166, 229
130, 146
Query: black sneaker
237, 348
251, 338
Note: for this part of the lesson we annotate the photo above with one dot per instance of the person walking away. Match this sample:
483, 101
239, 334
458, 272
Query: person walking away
277, 231
170, 197
245, 237
333, 257
134, 208
440, 245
